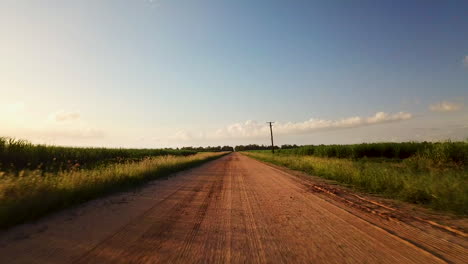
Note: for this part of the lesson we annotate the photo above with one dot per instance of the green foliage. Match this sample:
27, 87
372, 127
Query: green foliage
21, 154
432, 178
439, 152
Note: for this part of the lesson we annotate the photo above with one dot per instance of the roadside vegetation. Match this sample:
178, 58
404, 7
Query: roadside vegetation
39, 179
431, 174
16, 155
439, 152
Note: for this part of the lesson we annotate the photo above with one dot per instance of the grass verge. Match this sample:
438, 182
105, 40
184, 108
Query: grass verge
413, 180
32, 194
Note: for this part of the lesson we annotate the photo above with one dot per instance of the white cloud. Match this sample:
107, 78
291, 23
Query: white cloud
68, 124
62, 116
465, 61
445, 106
255, 129
182, 135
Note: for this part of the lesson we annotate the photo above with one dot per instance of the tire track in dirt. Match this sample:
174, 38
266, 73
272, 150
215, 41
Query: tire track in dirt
337, 217
275, 247
251, 222
393, 223
333, 217
147, 234
215, 190
149, 240
147, 212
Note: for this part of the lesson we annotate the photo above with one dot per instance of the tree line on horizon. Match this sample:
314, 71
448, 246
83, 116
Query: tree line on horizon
208, 148
237, 148
263, 147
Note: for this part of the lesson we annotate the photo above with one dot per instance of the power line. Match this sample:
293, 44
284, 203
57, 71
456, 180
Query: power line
271, 133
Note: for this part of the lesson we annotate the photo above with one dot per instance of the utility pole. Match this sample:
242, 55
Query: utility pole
271, 133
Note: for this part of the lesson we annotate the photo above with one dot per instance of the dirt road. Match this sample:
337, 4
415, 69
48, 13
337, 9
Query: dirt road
232, 210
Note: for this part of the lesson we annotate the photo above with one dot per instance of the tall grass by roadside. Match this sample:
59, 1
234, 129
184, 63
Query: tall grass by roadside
417, 180
441, 152
21, 154
32, 194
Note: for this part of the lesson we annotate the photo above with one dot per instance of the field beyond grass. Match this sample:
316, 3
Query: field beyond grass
417, 179
29, 194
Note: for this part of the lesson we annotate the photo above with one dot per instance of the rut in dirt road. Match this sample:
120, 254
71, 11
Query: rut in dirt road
231, 210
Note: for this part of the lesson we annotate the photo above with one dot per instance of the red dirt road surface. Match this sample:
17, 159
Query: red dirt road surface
233, 210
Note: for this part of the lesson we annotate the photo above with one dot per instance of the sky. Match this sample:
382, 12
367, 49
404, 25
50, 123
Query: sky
171, 73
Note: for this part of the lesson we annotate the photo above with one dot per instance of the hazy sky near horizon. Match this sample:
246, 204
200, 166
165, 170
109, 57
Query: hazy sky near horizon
141, 73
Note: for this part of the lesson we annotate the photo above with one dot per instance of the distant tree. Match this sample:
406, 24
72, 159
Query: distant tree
227, 148
287, 146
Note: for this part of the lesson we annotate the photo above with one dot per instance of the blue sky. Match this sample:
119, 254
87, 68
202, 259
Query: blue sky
140, 73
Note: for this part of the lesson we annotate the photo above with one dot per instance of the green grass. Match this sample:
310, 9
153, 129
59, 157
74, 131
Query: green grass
16, 155
417, 180
28, 194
